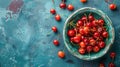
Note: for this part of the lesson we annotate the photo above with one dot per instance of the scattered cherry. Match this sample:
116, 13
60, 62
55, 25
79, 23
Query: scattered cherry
112, 55
111, 64
61, 54
62, 5
56, 42
54, 29
57, 17
112, 6
71, 33
52, 11
70, 7
81, 50
102, 65
83, 1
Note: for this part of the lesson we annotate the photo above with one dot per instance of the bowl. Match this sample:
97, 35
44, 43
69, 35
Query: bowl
98, 14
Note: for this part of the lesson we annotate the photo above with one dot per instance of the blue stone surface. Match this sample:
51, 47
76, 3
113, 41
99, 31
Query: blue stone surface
24, 28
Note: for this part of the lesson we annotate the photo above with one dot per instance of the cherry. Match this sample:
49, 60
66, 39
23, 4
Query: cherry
82, 37
105, 34
71, 33
85, 40
61, 54
71, 39
111, 64
57, 17
99, 29
81, 31
102, 65
96, 48
112, 55
70, 7
56, 42
54, 29
82, 45
52, 11
100, 38
62, 5
83, 1
92, 42
96, 35
79, 23
94, 22
93, 29
91, 18
89, 48
84, 18
81, 51
101, 22
86, 30
89, 24
101, 44
112, 6
77, 39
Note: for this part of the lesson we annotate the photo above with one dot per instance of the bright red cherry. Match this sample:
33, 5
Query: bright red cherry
111, 64
79, 23
83, 1
81, 51
81, 31
112, 6
96, 48
93, 29
56, 42
77, 39
92, 42
101, 44
52, 11
91, 18
70, 7
71, 33
54, 29
105, 34
84, 18
112, 55
62, 5
82, 45
89, 24
89, 48
96, 35
101, 22
102, 65
94, 22
86, 30
57, 17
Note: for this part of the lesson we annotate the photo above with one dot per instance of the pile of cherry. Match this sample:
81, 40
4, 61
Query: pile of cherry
92, 40
88, 33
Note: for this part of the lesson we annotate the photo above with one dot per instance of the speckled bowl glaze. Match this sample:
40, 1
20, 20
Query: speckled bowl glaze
98, 14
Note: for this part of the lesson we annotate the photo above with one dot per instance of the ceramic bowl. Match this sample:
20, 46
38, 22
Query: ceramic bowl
98, 14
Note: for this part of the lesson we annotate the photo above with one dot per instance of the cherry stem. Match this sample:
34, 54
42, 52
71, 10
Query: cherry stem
63, 49
113, 59
49, 33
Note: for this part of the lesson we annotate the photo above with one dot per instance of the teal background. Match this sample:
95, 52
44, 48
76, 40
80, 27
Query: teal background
23, 33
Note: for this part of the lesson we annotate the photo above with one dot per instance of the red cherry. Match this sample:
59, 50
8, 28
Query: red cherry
86, 30
81, 31
112, 55
105, 34
70, 7
71, 33
82, 45
94, 22
101, 22
91, 18
96, 48
83, 1
82, 37
89, 24
99, 29
79, 23
54, 29
111, 64
71, 39
52, 11
84, 18
77, 39
112, 6
81, 51
93, 29
61, 54
92, 42
96, 35
89, 48
102, 65
62, 5
57, 17
101, 44
56, 42
85, 40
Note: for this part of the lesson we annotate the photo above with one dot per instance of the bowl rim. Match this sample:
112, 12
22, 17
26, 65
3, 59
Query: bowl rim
113, 32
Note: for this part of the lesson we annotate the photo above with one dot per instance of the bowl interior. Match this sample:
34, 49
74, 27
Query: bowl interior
97, 14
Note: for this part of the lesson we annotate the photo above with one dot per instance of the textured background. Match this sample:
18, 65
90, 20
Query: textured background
24, 25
